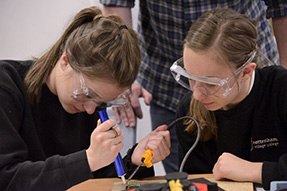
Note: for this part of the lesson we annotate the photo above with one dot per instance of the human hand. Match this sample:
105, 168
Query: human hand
229, 166
105, 145
132, 109
159, 143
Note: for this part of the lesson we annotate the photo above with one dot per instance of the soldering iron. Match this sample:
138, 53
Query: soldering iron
118, 162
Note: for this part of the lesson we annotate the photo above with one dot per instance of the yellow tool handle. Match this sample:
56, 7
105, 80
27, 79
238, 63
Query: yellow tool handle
147, 156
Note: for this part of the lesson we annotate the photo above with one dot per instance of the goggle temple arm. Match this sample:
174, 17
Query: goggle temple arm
179, 71
113, 103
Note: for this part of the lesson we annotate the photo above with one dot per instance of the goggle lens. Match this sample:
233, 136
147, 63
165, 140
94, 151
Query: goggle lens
81, 93
190, 84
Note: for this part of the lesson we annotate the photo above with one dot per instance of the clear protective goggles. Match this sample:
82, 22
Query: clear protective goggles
82, 93
208, 85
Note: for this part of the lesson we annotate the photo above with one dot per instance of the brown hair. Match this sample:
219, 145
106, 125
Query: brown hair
97, 46
231, 36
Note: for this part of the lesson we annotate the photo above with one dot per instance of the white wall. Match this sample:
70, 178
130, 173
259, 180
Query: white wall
28, 28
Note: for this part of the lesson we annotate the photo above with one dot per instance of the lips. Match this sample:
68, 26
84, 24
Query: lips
206, 104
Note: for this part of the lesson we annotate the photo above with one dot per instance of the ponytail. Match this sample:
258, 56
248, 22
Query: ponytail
40, 70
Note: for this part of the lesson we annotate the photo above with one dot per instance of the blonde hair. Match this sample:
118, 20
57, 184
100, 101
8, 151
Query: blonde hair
231, 36
97, 46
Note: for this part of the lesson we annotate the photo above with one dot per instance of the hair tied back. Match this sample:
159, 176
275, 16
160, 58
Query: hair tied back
97, 17
123, 27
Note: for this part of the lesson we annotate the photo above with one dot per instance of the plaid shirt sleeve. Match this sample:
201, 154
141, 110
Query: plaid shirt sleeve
276, 8
118, 3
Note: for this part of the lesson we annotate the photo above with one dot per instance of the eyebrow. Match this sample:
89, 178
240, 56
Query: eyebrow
98, 96
94, 93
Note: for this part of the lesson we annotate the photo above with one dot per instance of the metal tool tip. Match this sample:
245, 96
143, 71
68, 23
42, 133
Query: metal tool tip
123, 179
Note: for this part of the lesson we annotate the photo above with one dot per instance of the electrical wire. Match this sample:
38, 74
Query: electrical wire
195, 142
170, 126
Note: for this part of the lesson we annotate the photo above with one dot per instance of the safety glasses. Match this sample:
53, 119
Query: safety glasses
207, 85
82, 93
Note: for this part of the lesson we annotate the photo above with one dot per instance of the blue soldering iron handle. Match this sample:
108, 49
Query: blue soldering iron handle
118, 162
119, 165
103, 115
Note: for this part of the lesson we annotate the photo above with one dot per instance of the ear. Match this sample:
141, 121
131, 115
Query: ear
247, 72
64, 63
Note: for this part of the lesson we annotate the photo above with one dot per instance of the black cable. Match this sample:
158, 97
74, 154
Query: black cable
194, 144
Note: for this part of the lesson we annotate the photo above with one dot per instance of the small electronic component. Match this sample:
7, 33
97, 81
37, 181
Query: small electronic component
131, 186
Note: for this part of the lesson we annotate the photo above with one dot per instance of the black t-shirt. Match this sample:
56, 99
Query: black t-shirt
254, 130
42, 147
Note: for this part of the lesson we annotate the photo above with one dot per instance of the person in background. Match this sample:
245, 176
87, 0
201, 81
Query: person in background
51, 136
241, 108
162, 27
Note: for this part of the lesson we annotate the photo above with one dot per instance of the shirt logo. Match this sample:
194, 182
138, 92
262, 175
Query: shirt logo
264, 143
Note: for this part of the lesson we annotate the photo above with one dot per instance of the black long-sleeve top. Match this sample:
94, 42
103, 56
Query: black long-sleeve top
254, 130
42, 147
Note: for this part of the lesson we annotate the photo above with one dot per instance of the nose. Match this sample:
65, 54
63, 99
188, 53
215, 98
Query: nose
198, 92
90, 107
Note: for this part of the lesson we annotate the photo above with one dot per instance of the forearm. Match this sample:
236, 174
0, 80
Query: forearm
124, 12
110, 171
229, 166
55, 173
256, 172
280, 28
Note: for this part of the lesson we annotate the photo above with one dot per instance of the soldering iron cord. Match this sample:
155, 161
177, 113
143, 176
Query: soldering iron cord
171, 125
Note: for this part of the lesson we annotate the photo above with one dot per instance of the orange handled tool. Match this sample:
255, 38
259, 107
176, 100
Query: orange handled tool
146, 159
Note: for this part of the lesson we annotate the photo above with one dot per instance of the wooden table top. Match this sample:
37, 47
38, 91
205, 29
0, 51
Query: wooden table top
105, 184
